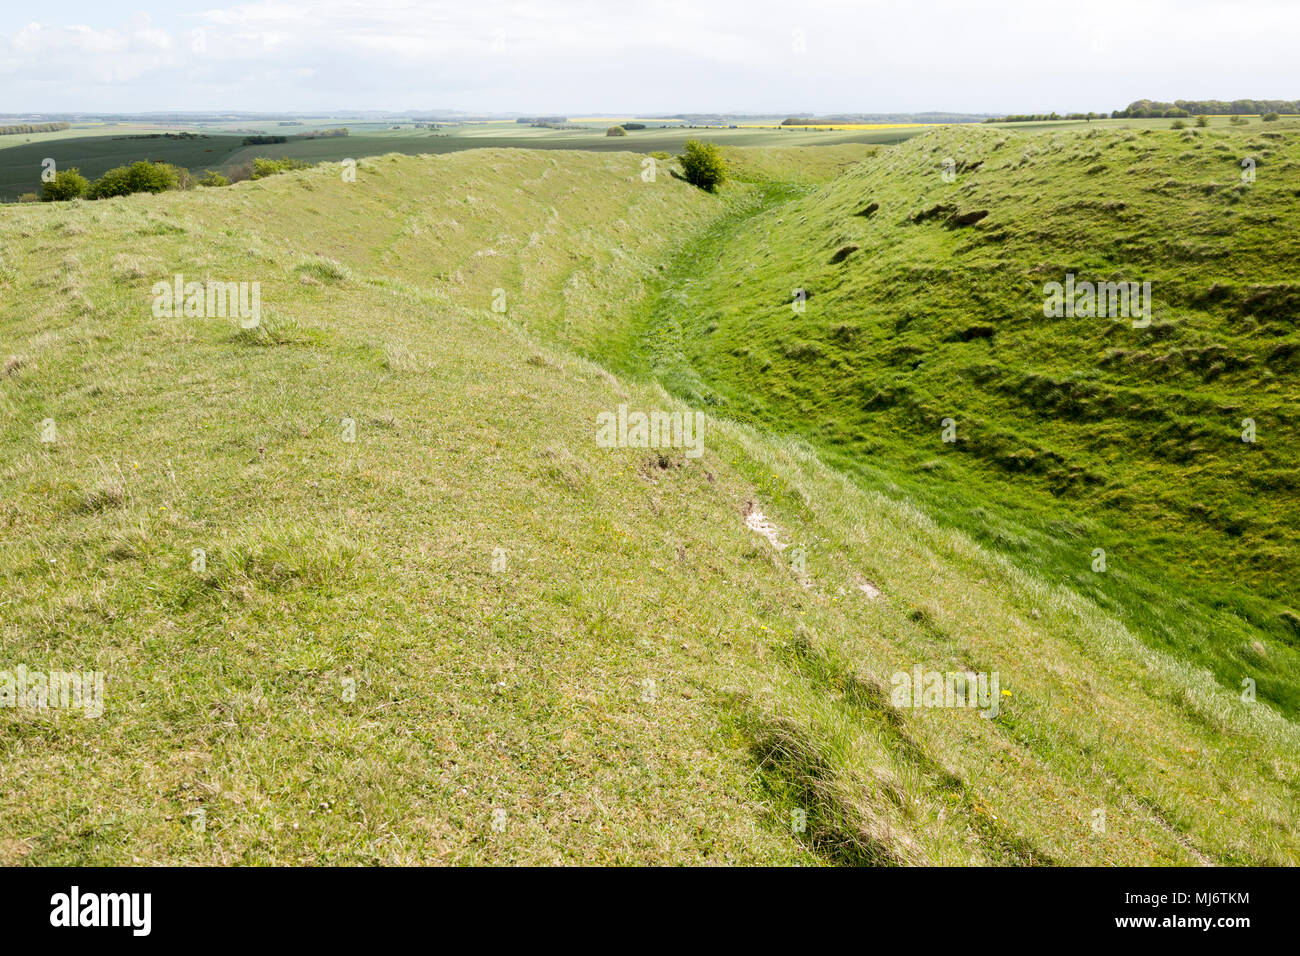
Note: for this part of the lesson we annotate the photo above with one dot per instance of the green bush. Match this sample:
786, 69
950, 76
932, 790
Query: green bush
263, 166
703, 165
141, 177
1202, 121
616, 131
1178, 124
67, 184
1269, 117
210, 178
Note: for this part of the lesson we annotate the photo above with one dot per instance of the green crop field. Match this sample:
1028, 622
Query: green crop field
367, 586
82, 131
505, 135
21, 163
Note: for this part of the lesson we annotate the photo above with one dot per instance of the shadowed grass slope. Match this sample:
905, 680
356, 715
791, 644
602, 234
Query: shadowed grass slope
925, 304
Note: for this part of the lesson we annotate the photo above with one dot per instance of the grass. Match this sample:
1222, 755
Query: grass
1072, 434
428, 596
1134, 123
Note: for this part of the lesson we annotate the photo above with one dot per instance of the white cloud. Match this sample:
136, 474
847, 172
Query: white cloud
570, 55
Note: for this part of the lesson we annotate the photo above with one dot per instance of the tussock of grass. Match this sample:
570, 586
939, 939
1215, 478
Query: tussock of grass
565, 468
273, 329
399, 358
839, 823
108, 494
279, 559
324, 269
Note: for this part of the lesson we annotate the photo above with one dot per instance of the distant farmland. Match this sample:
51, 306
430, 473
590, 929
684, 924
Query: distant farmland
95, 149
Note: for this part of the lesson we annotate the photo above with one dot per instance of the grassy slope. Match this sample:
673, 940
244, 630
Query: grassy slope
1073, 434
520, 690
1161, 123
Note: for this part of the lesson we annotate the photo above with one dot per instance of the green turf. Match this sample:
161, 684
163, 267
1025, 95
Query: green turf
1072, 434
590, 645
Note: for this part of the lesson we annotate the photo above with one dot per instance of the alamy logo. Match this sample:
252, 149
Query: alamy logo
934, 689
1098, 300
210, 299
37, 690
656, 429
103, 909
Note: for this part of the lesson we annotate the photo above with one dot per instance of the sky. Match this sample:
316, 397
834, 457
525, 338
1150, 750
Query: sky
620, 57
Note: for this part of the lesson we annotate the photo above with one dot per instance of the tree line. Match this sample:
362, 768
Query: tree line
32, 128
1042, 117
1155, 108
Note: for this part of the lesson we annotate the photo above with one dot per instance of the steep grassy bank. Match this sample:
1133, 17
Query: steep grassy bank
1071, 434
435, 621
